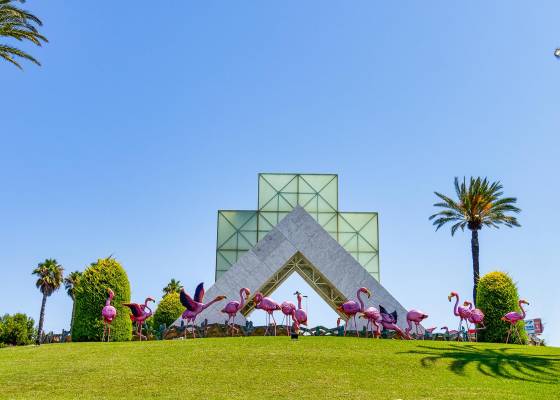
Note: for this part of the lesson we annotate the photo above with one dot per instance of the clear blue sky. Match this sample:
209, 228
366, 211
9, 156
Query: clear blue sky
144, 121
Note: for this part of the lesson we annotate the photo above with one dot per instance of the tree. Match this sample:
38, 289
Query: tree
16, 330
70, 283
497, 295
49, 279
172, 287
91, 295
479, 204
168, 310
18, 24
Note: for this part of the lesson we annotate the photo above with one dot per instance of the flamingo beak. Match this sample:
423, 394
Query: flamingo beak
449, 297
368, 293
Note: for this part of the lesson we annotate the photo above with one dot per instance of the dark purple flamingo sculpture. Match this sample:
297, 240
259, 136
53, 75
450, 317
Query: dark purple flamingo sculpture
139, 314
195, 306
389, 322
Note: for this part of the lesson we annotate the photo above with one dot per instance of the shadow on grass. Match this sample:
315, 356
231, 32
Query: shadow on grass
504, 363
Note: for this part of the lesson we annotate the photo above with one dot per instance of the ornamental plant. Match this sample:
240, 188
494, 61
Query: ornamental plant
168, 310
497, 295
90, 297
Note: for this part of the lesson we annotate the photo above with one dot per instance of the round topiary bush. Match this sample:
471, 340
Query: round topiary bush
168, 310
91, 294
497, 295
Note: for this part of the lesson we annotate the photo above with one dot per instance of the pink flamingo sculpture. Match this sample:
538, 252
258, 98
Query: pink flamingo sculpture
108, 313
287, 308
269, 306
430, 332
350, 308
417, 317
449, 333
476, 318
389, 322
301, 315
373, 317
462, 312
234, 306
139, 314
195, 306
514, 317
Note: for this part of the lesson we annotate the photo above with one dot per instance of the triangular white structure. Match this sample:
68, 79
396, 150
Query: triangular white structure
298, 244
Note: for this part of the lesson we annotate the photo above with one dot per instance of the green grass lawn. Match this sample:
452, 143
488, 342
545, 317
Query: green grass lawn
273, 368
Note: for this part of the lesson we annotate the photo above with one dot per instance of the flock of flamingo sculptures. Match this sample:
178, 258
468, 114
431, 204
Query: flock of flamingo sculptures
294, 316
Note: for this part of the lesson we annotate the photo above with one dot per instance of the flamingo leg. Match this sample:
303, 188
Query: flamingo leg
274, 322
345, 326
509, 331
104, 329
109, 338
356, 326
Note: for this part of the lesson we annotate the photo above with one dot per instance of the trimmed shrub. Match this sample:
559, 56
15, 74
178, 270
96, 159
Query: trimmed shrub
91, 295
17, 330
168, 310
497, 295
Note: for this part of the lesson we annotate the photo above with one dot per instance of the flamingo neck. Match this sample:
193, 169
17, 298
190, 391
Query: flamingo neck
522, 310
362, 305
209, 304
455, 311
299, 302
242, 298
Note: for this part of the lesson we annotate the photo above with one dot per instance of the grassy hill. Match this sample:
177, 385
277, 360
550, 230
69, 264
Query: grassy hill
273, 368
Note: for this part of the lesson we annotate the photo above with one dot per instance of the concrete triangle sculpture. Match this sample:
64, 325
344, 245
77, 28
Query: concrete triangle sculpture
298, 244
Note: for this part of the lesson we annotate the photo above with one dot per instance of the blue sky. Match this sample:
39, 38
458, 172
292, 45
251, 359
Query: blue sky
144, 121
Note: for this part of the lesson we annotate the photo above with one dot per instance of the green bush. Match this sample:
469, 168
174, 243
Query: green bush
168, 310
16, 330
497, 295
91, 295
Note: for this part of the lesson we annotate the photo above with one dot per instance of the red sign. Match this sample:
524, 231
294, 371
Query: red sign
538, 326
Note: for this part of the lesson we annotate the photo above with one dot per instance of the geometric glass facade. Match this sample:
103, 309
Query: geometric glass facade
278, 194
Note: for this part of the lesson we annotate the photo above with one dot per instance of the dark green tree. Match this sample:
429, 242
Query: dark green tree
70, 282
17, 329
168, 310
21, 25
172, 287
91, 294
479, 204
49, 278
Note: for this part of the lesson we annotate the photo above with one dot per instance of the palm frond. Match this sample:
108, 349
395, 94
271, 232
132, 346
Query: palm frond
479, 203
21, 25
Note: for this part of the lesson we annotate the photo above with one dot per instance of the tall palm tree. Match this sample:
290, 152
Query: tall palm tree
172, 287
49, 279
70, 282
479, 204
18, 24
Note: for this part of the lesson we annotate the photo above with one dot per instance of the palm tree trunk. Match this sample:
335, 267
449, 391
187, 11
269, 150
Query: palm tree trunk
476, 268
41, 319
73, 312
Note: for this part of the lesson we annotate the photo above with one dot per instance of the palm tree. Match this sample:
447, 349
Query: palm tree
479, 204
172, 287
70, 282
18, 24
49, 279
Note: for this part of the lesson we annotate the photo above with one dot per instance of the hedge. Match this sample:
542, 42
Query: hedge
17, 330
497, 295
168, 310
91, 295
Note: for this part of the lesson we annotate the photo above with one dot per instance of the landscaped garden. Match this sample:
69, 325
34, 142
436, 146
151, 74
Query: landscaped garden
277, 367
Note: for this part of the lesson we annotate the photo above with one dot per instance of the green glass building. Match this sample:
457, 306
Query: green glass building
278, 194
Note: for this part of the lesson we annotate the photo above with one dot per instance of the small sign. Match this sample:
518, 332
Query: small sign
534, 326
